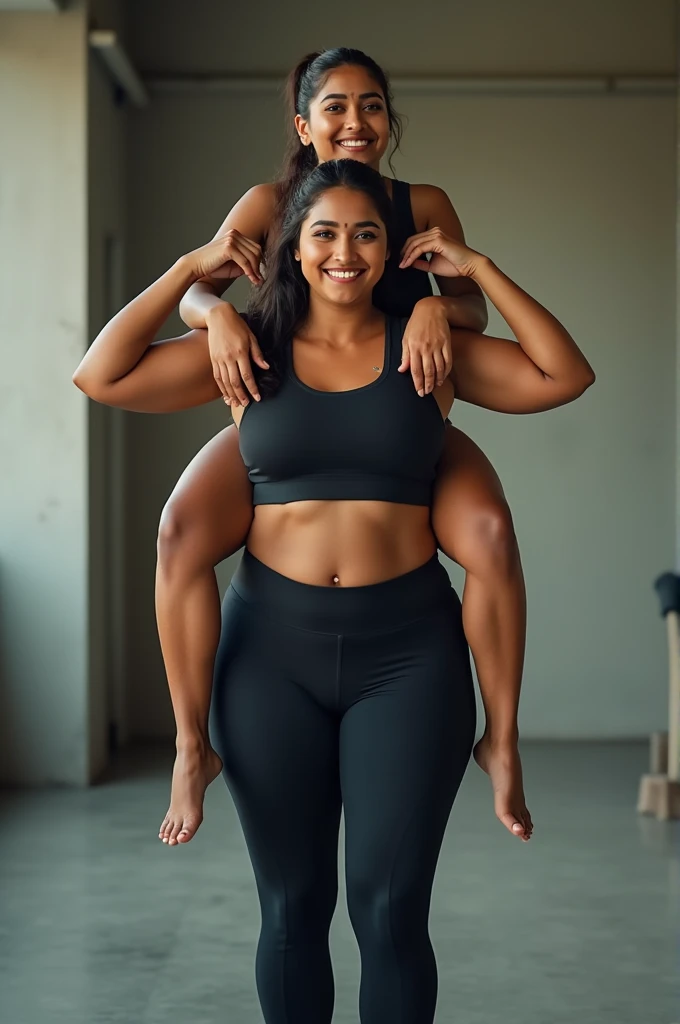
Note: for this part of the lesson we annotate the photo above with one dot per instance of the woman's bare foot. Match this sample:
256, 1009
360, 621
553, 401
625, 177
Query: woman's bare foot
503, 766
193, 772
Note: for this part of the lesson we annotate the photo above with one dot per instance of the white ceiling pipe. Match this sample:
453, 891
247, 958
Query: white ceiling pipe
106, 44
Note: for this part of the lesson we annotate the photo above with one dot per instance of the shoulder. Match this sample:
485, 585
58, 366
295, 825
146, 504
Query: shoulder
432, 208
261, 200
253, 213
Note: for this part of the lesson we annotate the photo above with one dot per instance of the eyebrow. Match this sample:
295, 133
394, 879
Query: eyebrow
335, 224
343, 96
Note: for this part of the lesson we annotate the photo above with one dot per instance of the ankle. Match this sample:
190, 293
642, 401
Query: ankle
196, 744
502, 741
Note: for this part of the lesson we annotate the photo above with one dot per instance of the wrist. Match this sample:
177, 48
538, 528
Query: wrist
433, 302
479, 267
185, 269
218, 311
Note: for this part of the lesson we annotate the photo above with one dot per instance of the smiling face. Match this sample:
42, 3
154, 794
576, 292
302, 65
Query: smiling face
343, 247
347, 118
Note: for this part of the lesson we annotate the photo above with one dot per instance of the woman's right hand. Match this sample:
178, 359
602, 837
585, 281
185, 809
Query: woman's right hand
231, 343
227, 257
232, 346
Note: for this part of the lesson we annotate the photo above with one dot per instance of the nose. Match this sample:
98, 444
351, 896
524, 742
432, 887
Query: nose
353, 118
345, 253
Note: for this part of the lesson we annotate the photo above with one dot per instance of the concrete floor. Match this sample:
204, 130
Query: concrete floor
102, 923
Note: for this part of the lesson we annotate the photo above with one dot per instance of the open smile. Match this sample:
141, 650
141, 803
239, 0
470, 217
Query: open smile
343, 275
355, 144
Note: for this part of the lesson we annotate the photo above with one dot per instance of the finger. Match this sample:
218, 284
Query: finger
439, 367
420, 265
418, 245
248, 265
220, 378
405, 359
254, 252
237, 384
248, 377
230, 395
256, 353
417, 372
429, 372
414, 239
447, 354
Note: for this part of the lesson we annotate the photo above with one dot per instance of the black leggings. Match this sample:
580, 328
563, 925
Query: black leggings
358, 698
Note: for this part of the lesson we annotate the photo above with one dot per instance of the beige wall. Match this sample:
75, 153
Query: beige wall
428, 38
44, 692
62, 167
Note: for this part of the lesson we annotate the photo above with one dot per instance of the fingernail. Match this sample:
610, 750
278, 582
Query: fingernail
257, 398
421, 393
516, 827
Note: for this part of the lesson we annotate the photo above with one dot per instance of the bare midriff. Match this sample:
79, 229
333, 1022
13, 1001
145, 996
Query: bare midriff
342, 543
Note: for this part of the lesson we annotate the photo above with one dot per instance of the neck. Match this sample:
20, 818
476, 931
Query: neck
339, 323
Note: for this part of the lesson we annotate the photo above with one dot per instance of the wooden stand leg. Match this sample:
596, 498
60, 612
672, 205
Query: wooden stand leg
659, 796
660, 791
658, 753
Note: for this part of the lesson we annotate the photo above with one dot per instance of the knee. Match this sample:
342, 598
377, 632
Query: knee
299, 912
488, 543
383, 913
174, 530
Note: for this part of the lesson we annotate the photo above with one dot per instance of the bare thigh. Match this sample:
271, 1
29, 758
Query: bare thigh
211, 506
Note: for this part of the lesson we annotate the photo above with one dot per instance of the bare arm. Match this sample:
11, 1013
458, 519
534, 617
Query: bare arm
461, 300
124, 367
251, 218
543, 370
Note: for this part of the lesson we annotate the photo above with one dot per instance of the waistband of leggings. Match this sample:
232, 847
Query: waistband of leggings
377, 606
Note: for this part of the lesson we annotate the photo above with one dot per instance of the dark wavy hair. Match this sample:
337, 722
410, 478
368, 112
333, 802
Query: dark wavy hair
280, 305
303, 84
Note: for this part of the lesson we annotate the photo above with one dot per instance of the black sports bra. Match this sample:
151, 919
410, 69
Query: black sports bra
380, 442
397, 291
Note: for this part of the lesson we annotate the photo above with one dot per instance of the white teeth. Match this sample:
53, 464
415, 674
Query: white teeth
343, 274
355, 143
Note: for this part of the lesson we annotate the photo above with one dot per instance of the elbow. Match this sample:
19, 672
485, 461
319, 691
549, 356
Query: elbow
587, 379
88, 386
579, 383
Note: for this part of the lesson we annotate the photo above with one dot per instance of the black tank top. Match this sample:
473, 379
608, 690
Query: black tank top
398, 290
380, 442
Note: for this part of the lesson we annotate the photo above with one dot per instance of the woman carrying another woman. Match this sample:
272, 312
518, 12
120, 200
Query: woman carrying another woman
340, 106
342, 678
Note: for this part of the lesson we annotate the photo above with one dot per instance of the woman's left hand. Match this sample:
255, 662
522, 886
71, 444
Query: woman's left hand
426, 345
449, 258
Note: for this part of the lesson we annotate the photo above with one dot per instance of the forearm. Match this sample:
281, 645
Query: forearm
540, 335
200, 302
123, 341
466, 311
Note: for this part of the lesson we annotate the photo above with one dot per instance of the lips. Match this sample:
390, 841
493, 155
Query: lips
339, 274
355, 145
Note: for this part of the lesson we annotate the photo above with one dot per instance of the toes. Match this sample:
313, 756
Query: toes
169, 825
164, 825
174, 832
188, 830
512, 824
